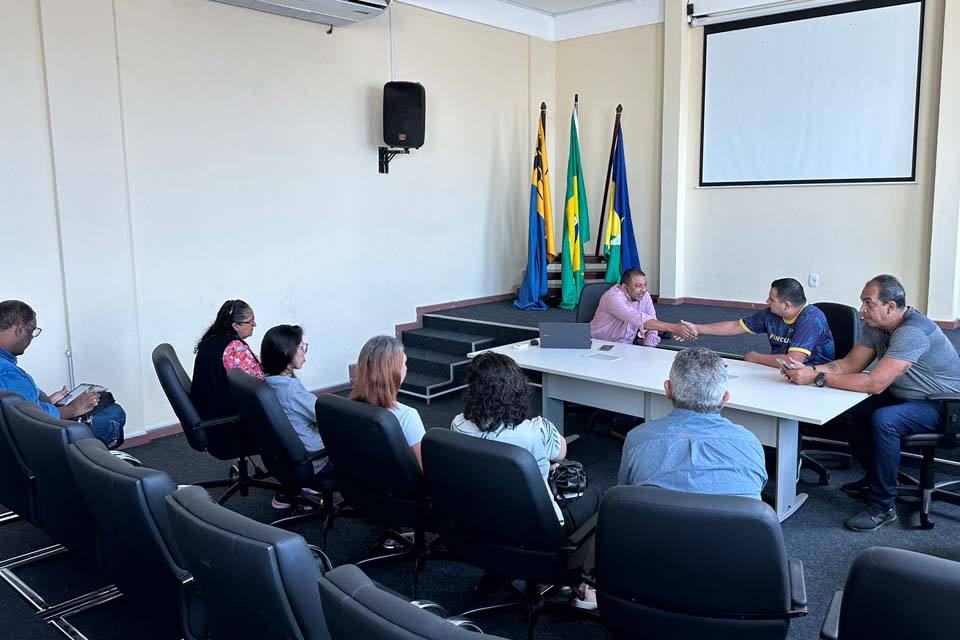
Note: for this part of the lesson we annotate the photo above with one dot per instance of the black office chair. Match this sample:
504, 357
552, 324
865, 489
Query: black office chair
59, 508
378, 476
129, 505
683, 565
281, 449
18, 491
924, 486
355, 607
892, 593
844, 323
492, 508
258, 581
224, 438
590, 300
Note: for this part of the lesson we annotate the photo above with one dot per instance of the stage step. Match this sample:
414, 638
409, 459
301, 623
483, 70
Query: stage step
437, 353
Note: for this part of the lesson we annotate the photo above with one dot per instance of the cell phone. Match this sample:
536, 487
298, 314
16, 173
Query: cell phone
783, 363
534, 342
606, 347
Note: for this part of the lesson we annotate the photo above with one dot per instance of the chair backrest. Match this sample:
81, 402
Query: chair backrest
590, 300
844, 323
130, 507
892, 593
17, 488
688, 565
280, 447
60, 506
355, 607
258, 581
176, 386
375, 469
490, 503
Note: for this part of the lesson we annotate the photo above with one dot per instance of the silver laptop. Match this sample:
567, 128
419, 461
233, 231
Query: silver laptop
564, 335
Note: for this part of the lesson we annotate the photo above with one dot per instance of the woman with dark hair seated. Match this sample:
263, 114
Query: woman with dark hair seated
496, 408
223, 346
282, 352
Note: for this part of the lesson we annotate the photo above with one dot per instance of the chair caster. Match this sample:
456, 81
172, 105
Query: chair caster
825, 480
234, 472
925, 522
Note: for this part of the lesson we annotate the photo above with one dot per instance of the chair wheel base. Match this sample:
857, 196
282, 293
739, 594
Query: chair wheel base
925, 523
825, 481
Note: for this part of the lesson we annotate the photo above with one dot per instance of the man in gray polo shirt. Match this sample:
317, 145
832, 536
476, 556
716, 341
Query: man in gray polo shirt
914, 359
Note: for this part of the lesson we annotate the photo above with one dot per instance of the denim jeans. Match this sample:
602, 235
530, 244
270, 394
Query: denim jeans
874, 429
107, 424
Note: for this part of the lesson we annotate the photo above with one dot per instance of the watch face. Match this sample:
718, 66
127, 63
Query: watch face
821, 380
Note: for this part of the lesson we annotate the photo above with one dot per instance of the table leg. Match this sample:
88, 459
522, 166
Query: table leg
787, 498
552, 407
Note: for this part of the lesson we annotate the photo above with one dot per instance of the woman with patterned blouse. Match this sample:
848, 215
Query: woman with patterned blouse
223, 347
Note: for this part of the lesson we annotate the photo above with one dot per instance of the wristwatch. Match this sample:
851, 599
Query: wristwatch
821, 380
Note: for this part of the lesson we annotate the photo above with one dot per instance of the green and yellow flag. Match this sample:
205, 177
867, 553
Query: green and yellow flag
576, 221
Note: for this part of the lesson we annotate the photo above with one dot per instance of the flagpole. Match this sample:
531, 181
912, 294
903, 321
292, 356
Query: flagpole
606, 185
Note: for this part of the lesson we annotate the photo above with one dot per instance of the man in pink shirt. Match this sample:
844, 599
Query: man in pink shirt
626, 314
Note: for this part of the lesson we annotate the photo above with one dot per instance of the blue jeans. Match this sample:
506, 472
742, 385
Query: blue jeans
875, 427
107, 424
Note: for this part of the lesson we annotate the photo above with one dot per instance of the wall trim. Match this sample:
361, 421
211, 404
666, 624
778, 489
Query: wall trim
948, 324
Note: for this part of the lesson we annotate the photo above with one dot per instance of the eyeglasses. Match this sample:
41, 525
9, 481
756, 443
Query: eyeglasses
303, 346
252, 323
35, 331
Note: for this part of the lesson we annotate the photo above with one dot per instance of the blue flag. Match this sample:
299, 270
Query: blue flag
540, 246
619, 245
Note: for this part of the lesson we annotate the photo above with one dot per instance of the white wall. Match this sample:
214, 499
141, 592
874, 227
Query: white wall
622, 67
30, 269
232, 153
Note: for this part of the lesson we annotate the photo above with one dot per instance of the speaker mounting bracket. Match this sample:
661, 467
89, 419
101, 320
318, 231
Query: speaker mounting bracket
387, 154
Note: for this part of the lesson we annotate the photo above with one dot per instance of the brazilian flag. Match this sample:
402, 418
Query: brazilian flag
576, 222
619, 244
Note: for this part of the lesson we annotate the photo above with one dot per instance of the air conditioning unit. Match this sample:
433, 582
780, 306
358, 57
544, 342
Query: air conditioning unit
337, 13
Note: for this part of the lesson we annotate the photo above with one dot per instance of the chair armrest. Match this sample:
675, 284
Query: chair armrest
584, 533
831, 623
944, 397
323, 561
798, 588
216, 422
317, 455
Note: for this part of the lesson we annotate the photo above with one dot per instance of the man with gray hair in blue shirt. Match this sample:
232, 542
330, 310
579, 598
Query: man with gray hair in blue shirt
694, 448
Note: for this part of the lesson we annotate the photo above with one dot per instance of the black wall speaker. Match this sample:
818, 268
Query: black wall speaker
404, 114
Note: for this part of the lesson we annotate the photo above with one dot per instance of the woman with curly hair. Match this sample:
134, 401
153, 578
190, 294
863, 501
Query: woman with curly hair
496, 408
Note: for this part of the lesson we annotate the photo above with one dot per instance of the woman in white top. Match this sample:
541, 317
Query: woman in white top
381, 368
496, 408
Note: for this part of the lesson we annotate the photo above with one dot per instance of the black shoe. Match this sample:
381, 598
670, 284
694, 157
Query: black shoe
857, 489
872, 518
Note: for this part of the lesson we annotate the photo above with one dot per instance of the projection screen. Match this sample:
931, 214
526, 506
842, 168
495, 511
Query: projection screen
818, 96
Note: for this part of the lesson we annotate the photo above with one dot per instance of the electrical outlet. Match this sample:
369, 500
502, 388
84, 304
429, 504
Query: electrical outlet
814, 280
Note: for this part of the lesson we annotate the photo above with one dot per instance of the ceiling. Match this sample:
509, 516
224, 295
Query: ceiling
554, 7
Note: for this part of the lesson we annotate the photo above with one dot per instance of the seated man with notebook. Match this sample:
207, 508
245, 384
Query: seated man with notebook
626, 314
18, 328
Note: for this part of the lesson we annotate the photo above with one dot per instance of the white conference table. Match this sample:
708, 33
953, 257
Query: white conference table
760, 399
